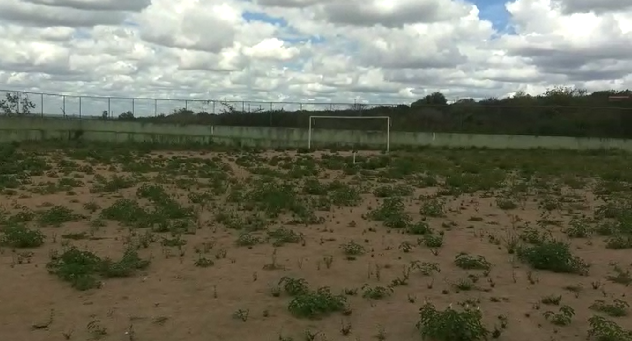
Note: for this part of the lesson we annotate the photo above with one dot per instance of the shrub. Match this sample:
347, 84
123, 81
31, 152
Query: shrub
450, 324
21, 237
553, 256
83, 269
317, 303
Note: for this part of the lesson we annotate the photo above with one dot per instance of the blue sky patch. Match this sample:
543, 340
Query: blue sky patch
296, 38
495, 12
289, 35
260, 16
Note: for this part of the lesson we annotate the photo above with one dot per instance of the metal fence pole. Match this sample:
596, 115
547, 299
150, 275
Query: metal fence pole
134, 107
186, 104
109, 107
155, 107
42, 104
80, 97
63, 105
19, 93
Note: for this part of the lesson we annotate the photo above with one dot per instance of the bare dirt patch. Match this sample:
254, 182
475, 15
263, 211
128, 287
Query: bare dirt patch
126, 243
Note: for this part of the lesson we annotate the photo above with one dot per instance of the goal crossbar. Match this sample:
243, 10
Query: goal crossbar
387, 118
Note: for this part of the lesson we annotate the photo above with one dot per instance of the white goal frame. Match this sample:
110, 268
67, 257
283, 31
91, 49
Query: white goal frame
388, 126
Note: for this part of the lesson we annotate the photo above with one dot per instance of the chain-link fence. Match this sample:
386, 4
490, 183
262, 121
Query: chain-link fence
47, 104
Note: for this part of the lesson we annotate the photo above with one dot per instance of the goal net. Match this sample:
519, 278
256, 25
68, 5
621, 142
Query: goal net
386, 119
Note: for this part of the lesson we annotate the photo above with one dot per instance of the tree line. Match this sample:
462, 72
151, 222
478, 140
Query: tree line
559, 111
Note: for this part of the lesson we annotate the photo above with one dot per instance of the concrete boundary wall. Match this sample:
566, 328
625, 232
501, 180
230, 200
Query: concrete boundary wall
41, 128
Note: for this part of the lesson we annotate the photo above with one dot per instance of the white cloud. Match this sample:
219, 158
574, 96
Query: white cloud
99, 5
391, 13
323, 50
29, 13
271, 49
600, 6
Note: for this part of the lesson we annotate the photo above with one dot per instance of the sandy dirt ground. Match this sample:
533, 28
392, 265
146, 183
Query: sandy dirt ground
103, 243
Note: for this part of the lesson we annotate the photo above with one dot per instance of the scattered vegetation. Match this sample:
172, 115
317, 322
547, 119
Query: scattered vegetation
262, 236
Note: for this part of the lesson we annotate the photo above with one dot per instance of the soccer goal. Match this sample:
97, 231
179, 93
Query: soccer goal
387, 120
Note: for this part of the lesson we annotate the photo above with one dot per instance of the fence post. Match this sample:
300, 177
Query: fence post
186, 104
19, 100
42, 104
63, 105
109, 107
155, 107
80, 97
134, 107
213, 107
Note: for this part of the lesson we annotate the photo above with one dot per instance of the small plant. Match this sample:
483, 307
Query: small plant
377, 292
605, 330
578, 228
466, 284
533, 236
392, 191
433, 208
344, 195
391, 213
352, 249
419, 228
294, 286
91, 206
561, 318
620, 276
432, 241
203, 262
468, 262
96, 330
426, 268
345, 328
617, 308
317, 303
451, 324
283, 236
406, 246
247, 239
619, 242
241, 314
551, 300
328, 260
310, 335
506, 204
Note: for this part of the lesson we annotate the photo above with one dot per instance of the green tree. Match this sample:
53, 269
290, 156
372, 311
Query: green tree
16, 104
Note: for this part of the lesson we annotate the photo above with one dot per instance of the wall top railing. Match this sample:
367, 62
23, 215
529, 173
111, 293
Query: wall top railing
78, 104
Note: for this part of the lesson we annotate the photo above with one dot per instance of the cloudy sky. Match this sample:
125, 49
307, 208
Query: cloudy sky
380, 51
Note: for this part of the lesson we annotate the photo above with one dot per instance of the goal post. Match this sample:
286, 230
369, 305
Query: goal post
386, 118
